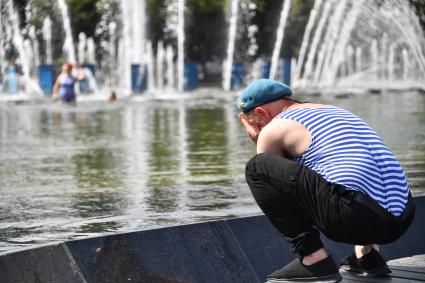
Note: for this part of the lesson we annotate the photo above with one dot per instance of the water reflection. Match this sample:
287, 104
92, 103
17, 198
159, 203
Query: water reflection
69, 172
207, 145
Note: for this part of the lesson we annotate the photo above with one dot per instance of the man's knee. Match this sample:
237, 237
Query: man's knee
268, 164
253, 164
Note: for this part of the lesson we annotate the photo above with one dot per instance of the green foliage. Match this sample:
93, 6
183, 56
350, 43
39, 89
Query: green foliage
206, 30
208, 6
268, 20
39, 10
84, 16
156, 10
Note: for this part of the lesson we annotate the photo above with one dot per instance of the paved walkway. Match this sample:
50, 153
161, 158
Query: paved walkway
408, 269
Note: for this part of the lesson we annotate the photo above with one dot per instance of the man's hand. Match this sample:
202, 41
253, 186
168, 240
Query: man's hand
251, 126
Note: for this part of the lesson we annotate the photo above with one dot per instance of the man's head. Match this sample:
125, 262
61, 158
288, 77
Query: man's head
262, 100
261, 92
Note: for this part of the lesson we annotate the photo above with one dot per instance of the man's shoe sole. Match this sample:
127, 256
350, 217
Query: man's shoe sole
375, 272
323, 279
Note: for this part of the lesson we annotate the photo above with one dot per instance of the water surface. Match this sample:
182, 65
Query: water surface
68, 172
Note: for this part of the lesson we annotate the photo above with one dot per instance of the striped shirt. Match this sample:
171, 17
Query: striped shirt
346, 151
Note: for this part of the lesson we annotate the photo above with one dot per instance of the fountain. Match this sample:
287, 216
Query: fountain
308, 69
406, 64
228, 64
331, 38
279, 38
358, 55
391, 62
362, 41
112, 48
138, 26
91, 55
170, 67
306, 37
82, 43
180, 46
150, 66
47, 36
69, 41
1, 41
14, 33
159, 65
34, 45
133, 42
374, 59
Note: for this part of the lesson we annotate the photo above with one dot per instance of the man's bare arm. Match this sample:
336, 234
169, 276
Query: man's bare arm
284, 137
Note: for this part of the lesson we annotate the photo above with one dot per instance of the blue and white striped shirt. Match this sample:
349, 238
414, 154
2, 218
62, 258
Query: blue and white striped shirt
346, 151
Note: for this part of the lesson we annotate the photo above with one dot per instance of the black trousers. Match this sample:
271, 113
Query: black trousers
299, 202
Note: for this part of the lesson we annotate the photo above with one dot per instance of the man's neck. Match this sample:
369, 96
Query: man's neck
288, 104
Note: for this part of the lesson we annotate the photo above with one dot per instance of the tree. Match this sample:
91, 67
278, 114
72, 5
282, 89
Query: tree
84, 16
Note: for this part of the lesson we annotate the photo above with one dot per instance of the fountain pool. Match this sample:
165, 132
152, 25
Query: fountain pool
76, 171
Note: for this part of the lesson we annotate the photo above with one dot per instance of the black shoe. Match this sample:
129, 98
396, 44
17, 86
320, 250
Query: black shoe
371, 264
322, 271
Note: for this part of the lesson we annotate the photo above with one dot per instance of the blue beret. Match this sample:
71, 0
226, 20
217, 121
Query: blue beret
261, 92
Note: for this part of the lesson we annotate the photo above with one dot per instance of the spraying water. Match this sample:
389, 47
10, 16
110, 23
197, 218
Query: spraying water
377, 42
47, 36
112, 49
391, 58
231, 46
180, 46
29, 84
359, 54
1, 40
331, 38
160, 65
91, 55
306, 37
126, 44
279, 38
150, 66
316, 39
82, 43
383, 59
406, 63
133, 41
138, 18
69, 41
35, 47
347, 28
170, 67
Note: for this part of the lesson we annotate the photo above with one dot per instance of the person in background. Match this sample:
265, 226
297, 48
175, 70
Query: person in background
321, 168
63, 89
112, 96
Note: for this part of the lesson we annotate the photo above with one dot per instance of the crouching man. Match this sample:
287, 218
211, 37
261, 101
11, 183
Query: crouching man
321, 168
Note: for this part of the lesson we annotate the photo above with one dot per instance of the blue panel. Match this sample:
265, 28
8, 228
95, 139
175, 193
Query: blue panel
266, 69
286, 71
237, 79
190, 76
46, 78
139, 78
12, 80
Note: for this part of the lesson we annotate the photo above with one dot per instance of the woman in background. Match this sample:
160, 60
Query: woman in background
63, 88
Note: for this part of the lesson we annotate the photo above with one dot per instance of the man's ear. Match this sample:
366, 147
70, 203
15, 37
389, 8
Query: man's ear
263, 114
